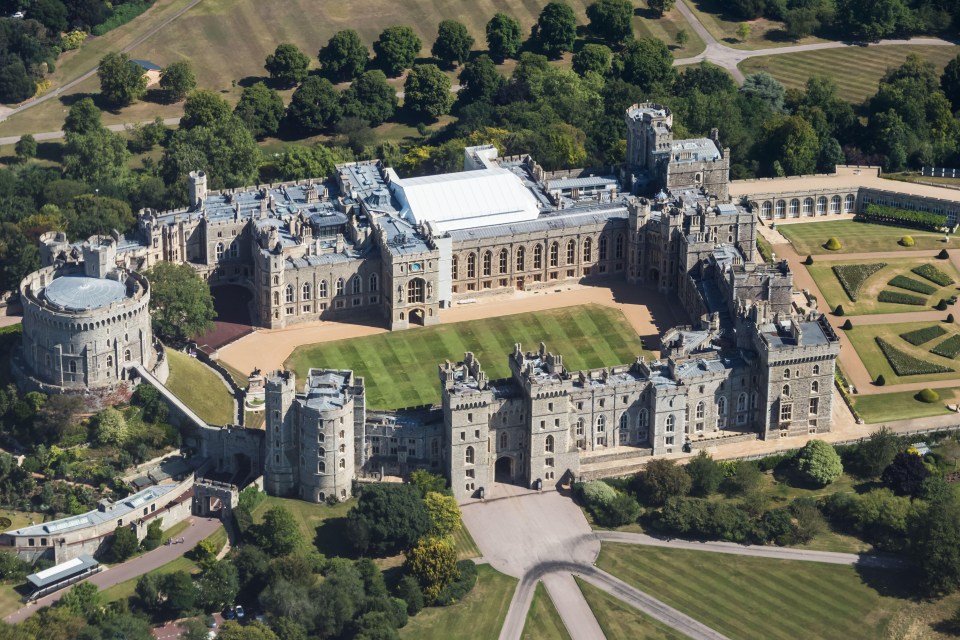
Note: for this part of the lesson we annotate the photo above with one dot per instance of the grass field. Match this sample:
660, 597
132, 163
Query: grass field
901, 405
9, 599
466, 547
543, 621
319, 523
745, 597
123, 590
863, 339
808, 238
867, 302
620, 621
647, 25
199, 388
722, 24
857, 70
398, 367
478, 616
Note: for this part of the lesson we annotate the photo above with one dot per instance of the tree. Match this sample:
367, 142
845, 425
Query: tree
556, 29
682, 38
819, 463
287, 64
148, 590
371, 98
177, 80
705, 474
611, 20
905, 474
746, 479
743, 31
950, 82
453, 43
503, 37
871, 19
396, 49
261, 109
408, 590
111, 427
766, 88
181, 593
936, 544
204, 109
96, 158
124, 545
154, 535
279, 533
592, 57
299, 162
427, 482
194, 629
180, 302
661, 7
793, 142
345, 56
444, 514
387, 519
16, 85
226, 151
83, 117
26, 148
122, 81
433, 562
645, 62
662, 479
315, 105
83, 599
50, 13
89, 215
251, 631
340, 596
427, 92
838, 311
875, 454
218, 585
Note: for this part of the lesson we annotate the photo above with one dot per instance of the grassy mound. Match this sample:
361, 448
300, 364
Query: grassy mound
852, 276
903, 364
933, 274
928, 395
833, 245
926, 334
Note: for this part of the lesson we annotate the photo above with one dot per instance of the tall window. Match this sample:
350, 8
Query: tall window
808, 206
580, 427
587, 250
786, 412
374, 282
276, 298
571, 252
548, 444
455, 268
504, 260
816, 369
781, 209
795, 208
618, 247
322, 289
671, 423
643, 420
848, 204
504, 440
520, 257
554, 254
339, 286
786, 374
624, 421
538, 256
814, 387
742, 402
472, 265
234, 249
468, 456
603, 247
814, 406
722, 406
821, 206
601, 424
305, 294
219, 250
415, 290
356, 284
289, 293
835, 204
700, 410
487, 263
786, 390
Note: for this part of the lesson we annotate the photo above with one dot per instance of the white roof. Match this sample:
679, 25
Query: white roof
466, 199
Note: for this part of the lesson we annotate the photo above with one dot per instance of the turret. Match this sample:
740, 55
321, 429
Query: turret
197, 189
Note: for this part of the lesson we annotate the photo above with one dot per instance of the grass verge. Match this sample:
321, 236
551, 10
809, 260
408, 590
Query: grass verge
466, 547
864, 341
199, 388
901, 405
857, 237
620, 621
543, 620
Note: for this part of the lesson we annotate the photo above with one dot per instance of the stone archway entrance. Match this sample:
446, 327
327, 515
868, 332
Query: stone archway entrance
503, 470
417, 317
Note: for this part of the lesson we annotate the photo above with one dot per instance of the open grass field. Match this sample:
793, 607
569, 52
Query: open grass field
722, 22
867, 302
620, 621
199, 388
745, 597
319, 523
808, 238
478, 616
9, 600
902, 405
466, 547
864, 341
399, 367
646, 24
857, 70
543, 621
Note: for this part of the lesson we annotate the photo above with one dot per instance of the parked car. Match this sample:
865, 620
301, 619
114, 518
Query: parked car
238, 610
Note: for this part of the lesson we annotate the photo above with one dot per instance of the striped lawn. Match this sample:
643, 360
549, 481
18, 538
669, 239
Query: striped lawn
620, 621
857, 70
400, 368
543, 619
748, 598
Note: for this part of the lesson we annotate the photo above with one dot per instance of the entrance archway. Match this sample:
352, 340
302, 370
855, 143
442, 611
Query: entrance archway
416, 317
503, 470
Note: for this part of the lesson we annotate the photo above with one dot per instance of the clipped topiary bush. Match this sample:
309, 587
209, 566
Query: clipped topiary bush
928, 395
833, 244
839, 310
847, 326
941, 305
809, 260
880, 381
943, 255
906, 241
950, 318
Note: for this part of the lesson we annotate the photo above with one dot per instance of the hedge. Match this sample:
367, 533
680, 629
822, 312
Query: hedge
903, 282
928, 395
903, 364
900, 298
122, 14
933, 274
949, 348
456, 590
852, 276
902, 218
926, 334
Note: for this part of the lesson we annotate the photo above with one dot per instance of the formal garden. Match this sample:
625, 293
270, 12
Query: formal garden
909, 351
809, 238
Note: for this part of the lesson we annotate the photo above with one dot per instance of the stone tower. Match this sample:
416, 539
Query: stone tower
197, 188
279, 470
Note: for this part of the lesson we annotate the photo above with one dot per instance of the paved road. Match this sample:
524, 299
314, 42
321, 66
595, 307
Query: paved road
199, 529
56, 135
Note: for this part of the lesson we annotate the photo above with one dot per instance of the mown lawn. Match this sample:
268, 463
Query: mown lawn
199, 388
620, 621
808, 238
466, 547
721, 20
864, 341
319, 524
399, 368
857, 70
902, 405
123, 590
646, 24
543, 620
9, 599
748, 598
479, 616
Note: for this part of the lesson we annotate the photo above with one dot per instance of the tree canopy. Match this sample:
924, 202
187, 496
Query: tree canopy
819, 463
453, 43
388, 518
122, 81
287, 64
371, 98
315, 105
177, 80
426, 92
611, 20
396, 49
503, 37
556, 29
261, 110
344, 57
181, 306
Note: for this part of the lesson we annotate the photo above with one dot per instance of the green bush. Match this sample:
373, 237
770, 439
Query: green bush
943, 255
904, 364
72, 40
819, 463
847, 326
880, 381
903, 282
949, 348
839, 310
928, 395
765, 250
906, 241
456, 590
933, 274
122, 14
833, 244
902, 218
926, 334
808, 261
900, 298
852, 276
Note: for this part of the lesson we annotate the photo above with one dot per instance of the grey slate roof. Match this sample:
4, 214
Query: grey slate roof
79, 293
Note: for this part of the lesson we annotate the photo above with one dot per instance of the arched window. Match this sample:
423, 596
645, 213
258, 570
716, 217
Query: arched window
343, 463
321, 467
374, 283
786, 374
781, 209
816, 369
624, 421
321, 437
742, 402
343, 448
786, 390
219, 250
848, 203
504, 260
520, 256
548, 445
472, 265
322, 289
722, 407
554, 254
835, 204
671, 423
415, 290
700, 410
126, 356
571, 252
468, 455
808, 206
618, 247
306, 291
603, 247
504, 440
487, 263
795, 208
814, 387
601, 424
538, 256
766, 208
455, 268
339, 287
822, 206
321, 452
276, 280
234, 249
289, 294
587, 249
643, 420
276, 298
356, 284
109, 362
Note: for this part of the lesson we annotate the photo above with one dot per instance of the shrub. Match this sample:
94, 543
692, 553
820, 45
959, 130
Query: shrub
897, 297
906, 241
122, 14
852, 276
819, 463
949, 348
904, 364
903, 282
943, 255
906, 473
902, 218
933, 274
928, 395
950, 318
839, 310
661, 479
809, 260
926, 334
72, 40
941, 305
880, 381
847, 326
833, 245
456, 590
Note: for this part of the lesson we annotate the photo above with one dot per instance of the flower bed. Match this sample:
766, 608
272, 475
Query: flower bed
949, 348
903, 364
933, 274
900, 298
903, 282
852, 276
926, 334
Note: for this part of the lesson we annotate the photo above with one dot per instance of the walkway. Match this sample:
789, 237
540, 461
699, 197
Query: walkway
168, 395
199, 529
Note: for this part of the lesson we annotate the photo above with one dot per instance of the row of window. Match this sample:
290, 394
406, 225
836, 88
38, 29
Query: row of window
306, 290
769, 209
520, 257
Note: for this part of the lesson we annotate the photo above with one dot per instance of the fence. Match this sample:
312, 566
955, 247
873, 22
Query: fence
940, 172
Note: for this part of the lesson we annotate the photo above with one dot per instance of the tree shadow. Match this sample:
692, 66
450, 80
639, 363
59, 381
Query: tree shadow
51, 151
331, 539
249, 81
904, 584
646, 14
720, 8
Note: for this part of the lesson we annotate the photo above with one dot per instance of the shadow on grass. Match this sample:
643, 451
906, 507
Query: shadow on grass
331, 539
903, 584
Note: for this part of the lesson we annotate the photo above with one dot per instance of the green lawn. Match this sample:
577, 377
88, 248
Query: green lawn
9, 599
808, 238
199, 388
867, 302
543, 621
863, 339
466, 547
620, 621
857, 70
746, 597
647, 25
319, 523
902, 405
399, 367
123, 590
722, 23
479, 616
